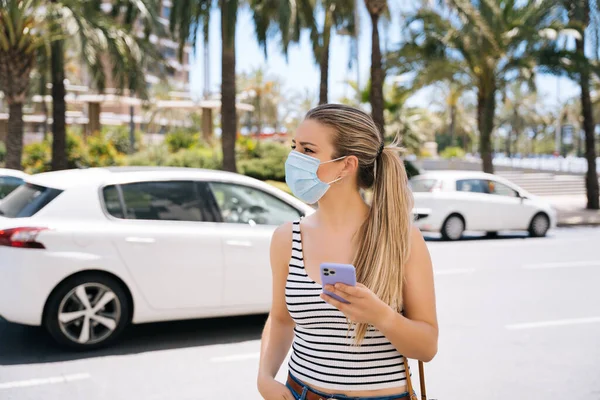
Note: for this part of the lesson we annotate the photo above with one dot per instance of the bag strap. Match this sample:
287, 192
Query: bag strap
409, 384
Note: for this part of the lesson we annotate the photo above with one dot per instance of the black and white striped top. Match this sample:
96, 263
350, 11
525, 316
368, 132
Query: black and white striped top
323, 352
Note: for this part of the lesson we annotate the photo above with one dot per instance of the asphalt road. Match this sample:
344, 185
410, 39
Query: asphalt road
519, 319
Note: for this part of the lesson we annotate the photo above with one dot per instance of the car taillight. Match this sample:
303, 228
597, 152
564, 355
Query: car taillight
21, 237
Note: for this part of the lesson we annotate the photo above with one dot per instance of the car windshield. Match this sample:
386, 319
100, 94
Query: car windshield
27, 200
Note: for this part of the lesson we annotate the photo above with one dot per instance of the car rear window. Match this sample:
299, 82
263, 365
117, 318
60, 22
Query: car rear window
27, 200
422, 185
8, 184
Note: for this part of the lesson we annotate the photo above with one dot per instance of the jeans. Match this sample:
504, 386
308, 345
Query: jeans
302, 396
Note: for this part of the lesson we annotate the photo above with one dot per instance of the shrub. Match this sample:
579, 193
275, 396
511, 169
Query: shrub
452, 152
77, 152
2, 151
181, 139
37, 157
119, 137
155, 155
195, 158
102, 153
263, 169
264, 161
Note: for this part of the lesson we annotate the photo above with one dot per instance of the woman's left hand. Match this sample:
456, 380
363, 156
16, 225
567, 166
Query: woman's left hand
363, 305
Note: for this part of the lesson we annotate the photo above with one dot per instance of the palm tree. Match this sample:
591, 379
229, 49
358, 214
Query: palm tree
376, 9
110, 49
518, 111
581, 16
337, 14
490, 42
264, 94
189, 16
21, 38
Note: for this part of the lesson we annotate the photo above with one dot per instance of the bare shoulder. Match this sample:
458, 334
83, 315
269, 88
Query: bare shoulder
281, 244
419, 253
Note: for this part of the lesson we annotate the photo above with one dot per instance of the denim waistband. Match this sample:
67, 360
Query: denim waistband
344, 397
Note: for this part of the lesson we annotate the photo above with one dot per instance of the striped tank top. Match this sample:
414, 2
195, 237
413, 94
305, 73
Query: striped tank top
323, 353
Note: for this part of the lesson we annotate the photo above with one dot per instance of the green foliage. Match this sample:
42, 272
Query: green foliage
2, 151
37, 157
119, 137
264, 161
181, 139
77, 154
154, 155
102, 153
195, 158
452, 152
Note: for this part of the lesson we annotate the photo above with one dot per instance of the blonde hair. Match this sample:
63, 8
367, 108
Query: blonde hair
384, 238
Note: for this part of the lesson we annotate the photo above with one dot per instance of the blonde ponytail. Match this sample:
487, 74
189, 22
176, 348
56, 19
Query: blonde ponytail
384, 239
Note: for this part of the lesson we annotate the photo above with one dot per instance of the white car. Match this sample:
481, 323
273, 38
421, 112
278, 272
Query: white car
451, 202
85, 252
10, 179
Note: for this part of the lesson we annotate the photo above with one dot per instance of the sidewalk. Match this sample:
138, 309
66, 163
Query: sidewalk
572, 212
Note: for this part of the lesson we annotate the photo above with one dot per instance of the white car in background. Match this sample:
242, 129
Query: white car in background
10, 179
451, 202
85, 252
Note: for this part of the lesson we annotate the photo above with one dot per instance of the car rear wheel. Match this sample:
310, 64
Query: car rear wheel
87, 311
453, 228
539, 225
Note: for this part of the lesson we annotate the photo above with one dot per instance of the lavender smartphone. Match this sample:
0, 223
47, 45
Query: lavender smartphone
334, 273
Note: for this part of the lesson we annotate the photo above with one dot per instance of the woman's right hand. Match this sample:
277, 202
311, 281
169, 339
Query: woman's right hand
270, 389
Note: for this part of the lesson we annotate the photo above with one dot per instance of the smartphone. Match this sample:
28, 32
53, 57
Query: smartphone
333, 273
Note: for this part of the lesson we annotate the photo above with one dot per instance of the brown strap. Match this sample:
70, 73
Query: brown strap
409, 384
422, 380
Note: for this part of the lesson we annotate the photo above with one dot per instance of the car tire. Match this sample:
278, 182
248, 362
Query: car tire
539, 225
82, 324
453, 227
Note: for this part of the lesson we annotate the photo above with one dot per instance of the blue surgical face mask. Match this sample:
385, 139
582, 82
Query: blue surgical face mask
301, 177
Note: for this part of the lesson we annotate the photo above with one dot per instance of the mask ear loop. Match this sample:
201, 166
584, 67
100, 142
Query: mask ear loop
335, 159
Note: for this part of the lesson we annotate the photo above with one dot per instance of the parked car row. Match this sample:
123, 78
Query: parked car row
86, 252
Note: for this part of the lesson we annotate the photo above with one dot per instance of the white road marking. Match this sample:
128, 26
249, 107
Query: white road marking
236, 357
566, 264
44, 381
560, 322
454, 271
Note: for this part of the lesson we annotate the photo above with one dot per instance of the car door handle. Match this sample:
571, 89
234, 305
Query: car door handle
238, 243
142, 240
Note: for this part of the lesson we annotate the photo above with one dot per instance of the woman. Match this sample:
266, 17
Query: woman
347, 350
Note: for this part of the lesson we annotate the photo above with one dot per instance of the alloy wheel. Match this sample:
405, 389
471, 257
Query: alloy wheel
89, 313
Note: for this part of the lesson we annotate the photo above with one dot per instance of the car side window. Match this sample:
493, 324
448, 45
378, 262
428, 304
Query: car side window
160, 201
112, 201
501, 189
472, 186
245, 205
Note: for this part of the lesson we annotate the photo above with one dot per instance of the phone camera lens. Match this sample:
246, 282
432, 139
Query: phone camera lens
332, 272
326, 273
325, 269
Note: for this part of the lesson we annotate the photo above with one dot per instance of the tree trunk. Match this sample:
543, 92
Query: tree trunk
507, 145
452, 124
377, 76
59, 151
228, 111
591, 177
486, 105
324, 61
14, 140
